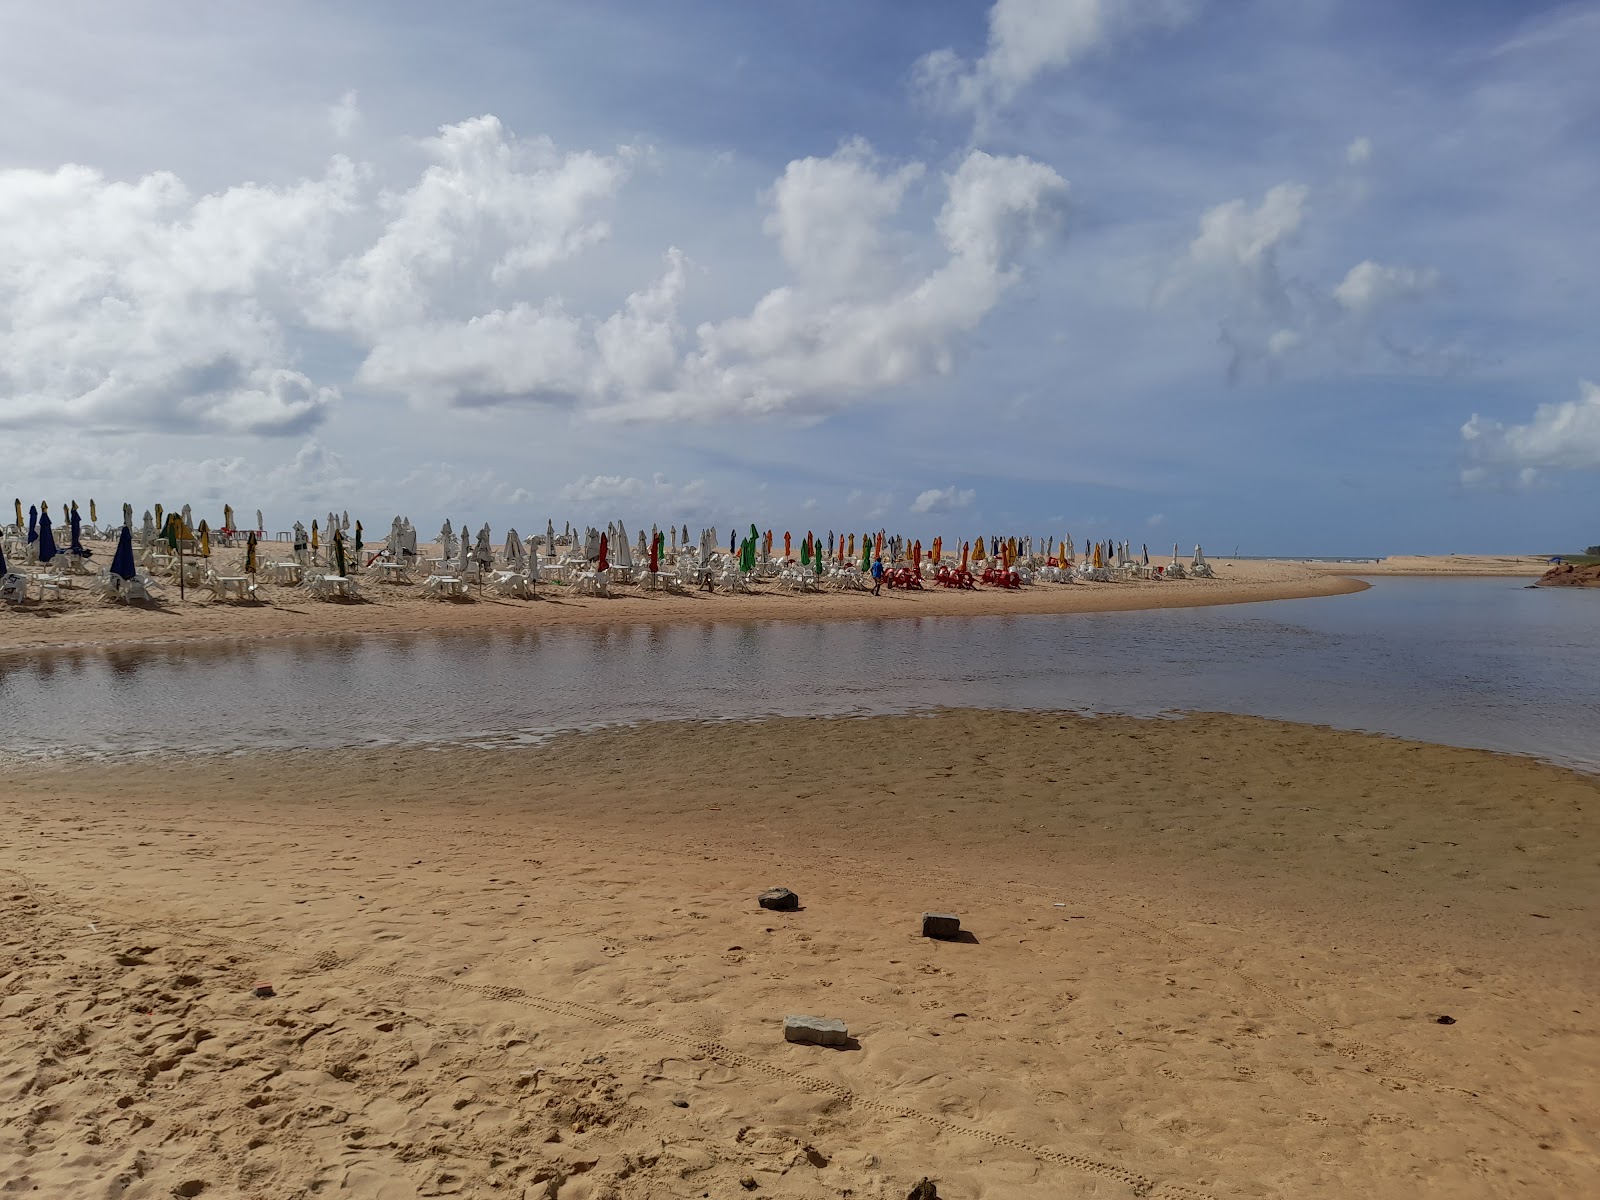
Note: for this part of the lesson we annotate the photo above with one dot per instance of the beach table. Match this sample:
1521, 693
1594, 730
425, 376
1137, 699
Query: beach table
445, 585
326, 587
231, 586
51, 585
285, 572
392, 572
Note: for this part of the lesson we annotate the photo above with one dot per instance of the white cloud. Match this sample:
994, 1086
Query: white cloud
516, 205
850, 325
943, 500
141, 306
1359, 152
1370, 285
1234, 268
1561, 437
1029, 37
344, 118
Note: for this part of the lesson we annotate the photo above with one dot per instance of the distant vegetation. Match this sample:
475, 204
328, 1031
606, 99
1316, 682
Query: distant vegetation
1593, 552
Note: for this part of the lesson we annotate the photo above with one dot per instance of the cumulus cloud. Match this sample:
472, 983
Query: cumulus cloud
518, 203
1235, 268
848, 325
141, 306
943, 500
1561, 437
1029, 37
1370, 285
1359, 152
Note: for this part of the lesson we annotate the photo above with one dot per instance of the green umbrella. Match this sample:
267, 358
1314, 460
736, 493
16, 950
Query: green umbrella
866, 552
338, 550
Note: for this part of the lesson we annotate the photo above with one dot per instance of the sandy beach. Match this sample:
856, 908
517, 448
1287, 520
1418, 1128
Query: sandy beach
78, 618
1209, 957
1445, 564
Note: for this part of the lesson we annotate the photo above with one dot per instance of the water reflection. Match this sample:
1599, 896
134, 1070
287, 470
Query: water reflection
1473, 662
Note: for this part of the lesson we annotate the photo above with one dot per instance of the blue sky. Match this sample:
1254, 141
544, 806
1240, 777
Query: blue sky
1311, 278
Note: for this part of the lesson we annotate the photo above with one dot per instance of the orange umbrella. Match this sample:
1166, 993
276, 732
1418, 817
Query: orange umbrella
786, 551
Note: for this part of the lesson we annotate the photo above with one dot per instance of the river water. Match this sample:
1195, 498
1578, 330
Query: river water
1471, 662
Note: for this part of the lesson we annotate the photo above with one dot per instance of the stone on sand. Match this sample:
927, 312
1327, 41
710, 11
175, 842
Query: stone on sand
779, 900
940, 925
815, 1031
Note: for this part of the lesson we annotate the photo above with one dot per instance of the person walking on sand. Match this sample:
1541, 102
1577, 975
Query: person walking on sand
877, 575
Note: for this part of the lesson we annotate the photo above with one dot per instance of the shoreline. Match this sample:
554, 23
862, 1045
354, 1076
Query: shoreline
1207, 956
84, 623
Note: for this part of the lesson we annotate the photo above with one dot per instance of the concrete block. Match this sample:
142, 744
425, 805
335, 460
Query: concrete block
815, 1031
940, 925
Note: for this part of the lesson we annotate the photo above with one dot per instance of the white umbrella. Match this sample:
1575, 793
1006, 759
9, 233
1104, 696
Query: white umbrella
408, 538
261, 525
624, 551
147, 532
127, 516
344, 520
550, 538
462, 567
447, 540
484, 554
516, 556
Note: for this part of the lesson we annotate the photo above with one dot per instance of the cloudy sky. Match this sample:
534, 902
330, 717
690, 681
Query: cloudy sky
1319, 277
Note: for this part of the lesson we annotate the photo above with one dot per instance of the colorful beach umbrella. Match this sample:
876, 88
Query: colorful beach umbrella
340, 564
227, 517
866, 552
205, 539
605, 545
315, 540
18, 503
250, 554
93, 517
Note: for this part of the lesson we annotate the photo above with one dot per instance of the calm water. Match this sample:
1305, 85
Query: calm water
1473, 662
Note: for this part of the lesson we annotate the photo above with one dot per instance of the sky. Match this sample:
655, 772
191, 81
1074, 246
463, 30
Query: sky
1312, 278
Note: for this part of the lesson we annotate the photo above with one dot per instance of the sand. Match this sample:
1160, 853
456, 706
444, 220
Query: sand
1444, 564
79, 618
1209, 957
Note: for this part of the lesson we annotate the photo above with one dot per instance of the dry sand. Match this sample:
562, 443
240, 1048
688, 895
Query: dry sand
1209, 957
81, 619
1444, 564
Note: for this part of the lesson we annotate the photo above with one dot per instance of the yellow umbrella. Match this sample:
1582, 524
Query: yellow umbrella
159, 525
205, 540
1098, 562
19, 510
977, 550
314, 540
93, 516
250, 554
227, 516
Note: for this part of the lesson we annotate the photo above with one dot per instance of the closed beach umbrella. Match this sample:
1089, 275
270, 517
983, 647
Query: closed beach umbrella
33, 523
805, 551
260, 522
122, 561
18, 503
188, 519
655, 554
127, 515
3, 568
227, 517
315, 539
964, 549
344, 519
604, 561
866, 552
338, 552
624, 553
250, 554
47, 538
515, 557
787, 551
461, 565
160, 524
93, 516
358, 537
147, 530
205, 539
75, 539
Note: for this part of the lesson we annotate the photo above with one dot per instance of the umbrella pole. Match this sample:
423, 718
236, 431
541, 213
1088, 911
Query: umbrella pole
180, 570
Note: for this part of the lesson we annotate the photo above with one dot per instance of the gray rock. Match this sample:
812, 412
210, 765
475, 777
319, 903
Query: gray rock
940, 925
779, 900
815, 1031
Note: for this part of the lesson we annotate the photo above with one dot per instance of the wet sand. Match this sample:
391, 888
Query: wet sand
80, 619
1208, 957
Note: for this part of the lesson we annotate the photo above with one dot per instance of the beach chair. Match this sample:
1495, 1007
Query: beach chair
512, 583
13, 588
591, 583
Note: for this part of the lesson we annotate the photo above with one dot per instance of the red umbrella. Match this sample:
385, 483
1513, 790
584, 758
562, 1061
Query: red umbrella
655, 565
965, 546
916, 556
786, 553
604, 564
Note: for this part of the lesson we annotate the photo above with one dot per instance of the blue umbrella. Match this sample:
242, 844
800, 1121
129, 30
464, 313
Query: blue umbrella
76, 523
122, 560
33, 523
3, 567
47, 539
